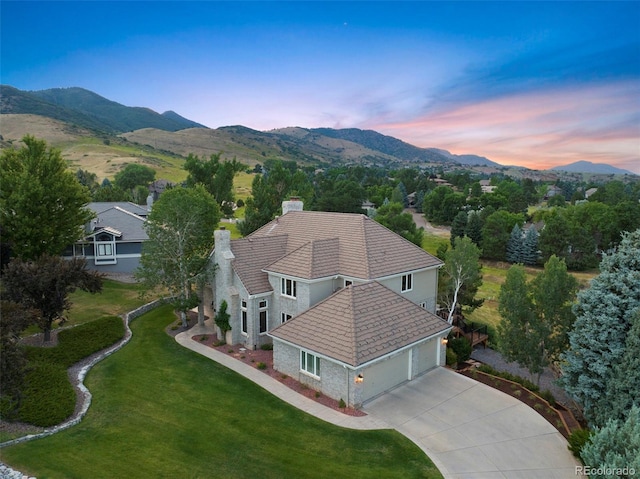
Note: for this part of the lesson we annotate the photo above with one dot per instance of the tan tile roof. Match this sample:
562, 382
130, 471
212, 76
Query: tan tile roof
359, 324
252, 256
365, 249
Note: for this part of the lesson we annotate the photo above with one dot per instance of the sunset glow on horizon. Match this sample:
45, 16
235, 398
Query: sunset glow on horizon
535, 84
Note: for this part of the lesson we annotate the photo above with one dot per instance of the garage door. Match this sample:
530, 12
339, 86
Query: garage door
427, 356
385, 375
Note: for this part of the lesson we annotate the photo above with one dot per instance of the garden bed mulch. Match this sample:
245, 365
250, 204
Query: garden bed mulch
255, 357
559, 417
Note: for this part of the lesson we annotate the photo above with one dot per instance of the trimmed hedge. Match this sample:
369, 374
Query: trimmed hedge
77, 343
48, 398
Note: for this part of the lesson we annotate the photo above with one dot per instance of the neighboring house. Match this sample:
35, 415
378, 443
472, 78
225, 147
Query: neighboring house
590, 192
113, 239
158, 187
486, 186
347, 304
553, 190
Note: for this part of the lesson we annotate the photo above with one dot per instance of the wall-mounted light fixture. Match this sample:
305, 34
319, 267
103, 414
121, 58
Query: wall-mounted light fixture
359, 378
444, 341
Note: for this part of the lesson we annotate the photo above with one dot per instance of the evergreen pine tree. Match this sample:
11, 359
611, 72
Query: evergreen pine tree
458, 226
615, 446
530, 251
515, 246
474, 227
604, 315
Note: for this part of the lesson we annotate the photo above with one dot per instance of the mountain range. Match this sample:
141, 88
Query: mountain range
82, 109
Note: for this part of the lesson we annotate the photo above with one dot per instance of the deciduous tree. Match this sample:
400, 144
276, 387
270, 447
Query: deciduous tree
45, 284
391, 215
461, 275
176, 256
134, 174
520, 332
41, 201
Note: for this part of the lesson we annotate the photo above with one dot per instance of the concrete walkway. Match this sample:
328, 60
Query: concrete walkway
467, 429
275, 387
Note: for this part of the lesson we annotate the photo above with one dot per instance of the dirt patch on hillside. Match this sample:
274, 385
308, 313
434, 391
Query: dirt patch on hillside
14, 127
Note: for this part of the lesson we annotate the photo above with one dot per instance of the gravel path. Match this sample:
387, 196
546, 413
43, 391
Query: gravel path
547, 380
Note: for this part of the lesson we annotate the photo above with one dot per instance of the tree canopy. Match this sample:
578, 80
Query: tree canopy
134, 174
461, 275
176, 256
41, 201
536, 316
45, 284
216, 176
391, 215
604, 318
268, 191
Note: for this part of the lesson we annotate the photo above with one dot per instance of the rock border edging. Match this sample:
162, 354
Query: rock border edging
82, 373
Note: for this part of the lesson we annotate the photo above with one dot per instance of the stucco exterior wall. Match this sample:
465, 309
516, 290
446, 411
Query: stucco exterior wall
425, 287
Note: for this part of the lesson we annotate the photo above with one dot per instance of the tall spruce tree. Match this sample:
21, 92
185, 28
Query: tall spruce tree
598, 341
458, 226
515, 246
530, 250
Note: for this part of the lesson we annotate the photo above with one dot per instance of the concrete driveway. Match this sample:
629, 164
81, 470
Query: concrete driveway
470, 430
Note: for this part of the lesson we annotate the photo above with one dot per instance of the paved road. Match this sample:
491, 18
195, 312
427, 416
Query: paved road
472, 431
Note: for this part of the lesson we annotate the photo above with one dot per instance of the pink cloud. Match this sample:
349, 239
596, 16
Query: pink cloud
537, 130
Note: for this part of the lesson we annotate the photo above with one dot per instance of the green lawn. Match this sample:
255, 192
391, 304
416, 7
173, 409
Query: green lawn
493, 275
160, 410
116, 298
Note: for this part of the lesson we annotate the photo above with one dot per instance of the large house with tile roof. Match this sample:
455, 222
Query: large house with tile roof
113, 238
348, 305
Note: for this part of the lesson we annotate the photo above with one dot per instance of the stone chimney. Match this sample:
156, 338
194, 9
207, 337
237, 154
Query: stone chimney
294, 204
222, 255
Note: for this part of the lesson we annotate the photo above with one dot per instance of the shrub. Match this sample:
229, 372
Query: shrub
451, 357
342, 404
318, 394
548, 396
222, 318
261, 365
462, 347
577, 441
48, 396
77, 343
267, 347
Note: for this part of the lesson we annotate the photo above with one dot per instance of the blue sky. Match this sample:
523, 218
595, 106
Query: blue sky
536, 84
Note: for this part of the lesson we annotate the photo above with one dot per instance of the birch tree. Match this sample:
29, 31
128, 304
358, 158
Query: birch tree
176, 256
461, 274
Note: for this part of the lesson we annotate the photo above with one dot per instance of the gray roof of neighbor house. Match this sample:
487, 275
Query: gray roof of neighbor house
100, 206
360, 323
317, 244
130, 225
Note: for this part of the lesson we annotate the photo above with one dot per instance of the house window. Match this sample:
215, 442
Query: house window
285, 317
407, 282
310, 364
423, 305
263, 315
243, 316
105, 249
288, 287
